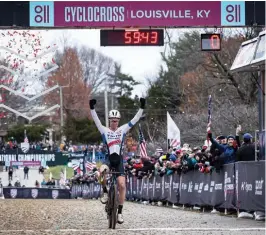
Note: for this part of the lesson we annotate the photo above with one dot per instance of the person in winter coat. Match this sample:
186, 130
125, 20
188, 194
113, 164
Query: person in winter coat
147, 168
138, 164
247, 151
228, 151
220, 140
10, 173
26, 172
188, 161
17, 183
215, 153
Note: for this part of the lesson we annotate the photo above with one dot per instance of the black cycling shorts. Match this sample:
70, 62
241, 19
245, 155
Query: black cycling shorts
116, 161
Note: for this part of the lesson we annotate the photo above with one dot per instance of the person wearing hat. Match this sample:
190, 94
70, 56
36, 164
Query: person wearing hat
247, 151
228, 151
216, 152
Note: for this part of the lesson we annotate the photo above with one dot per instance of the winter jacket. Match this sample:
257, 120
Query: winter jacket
246, 152
228, 153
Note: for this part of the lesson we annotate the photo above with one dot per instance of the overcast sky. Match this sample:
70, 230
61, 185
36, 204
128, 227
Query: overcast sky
139, 62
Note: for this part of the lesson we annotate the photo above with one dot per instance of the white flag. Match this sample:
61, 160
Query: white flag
173, 132
93, 154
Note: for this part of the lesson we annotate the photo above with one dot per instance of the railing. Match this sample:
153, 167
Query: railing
237, 186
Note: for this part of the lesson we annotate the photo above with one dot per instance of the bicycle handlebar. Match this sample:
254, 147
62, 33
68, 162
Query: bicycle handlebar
111, 172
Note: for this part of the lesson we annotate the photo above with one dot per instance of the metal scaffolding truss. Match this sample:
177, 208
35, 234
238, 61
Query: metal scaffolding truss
39, 75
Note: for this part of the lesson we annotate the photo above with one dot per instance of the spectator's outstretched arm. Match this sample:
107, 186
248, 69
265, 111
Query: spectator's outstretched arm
216, 144
238, 129
238, 141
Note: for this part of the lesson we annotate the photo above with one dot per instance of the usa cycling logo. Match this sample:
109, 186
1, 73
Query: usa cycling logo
34, 193
55, 194
25, 147
13, 193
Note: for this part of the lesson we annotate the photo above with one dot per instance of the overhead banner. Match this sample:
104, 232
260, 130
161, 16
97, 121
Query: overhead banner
137, 14
50, 158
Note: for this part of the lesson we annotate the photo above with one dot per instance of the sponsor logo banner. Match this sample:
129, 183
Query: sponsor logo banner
137, 14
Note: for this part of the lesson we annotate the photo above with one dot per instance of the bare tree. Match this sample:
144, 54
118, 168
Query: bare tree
96, 67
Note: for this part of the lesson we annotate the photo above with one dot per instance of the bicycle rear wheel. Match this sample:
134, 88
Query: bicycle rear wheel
115, 207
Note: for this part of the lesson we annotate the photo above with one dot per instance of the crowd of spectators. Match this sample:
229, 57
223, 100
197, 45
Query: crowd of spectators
66, 147
210, 157
38, 145
86, 178
50, 183
207, 158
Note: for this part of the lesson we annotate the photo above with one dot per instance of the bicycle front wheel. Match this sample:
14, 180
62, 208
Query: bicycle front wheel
110, 206
115, 207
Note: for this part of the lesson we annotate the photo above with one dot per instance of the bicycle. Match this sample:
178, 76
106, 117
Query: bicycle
111, 206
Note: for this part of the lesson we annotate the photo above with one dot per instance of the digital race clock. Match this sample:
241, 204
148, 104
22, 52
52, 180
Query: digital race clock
132, 38
211, 42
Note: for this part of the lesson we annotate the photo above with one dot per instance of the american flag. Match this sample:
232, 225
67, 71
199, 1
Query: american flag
26, 140
142, 144
174, 143
90, 165
75, 167
209, 117
209, 113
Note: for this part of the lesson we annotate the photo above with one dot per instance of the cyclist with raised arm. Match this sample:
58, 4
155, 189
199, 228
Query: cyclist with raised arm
114, 137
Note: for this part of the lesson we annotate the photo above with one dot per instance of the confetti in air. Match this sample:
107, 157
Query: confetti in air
25, 58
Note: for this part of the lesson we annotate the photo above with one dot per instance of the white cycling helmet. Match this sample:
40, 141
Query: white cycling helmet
114, 114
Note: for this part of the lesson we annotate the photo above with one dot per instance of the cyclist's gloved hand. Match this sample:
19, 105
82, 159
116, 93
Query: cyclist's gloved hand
92, 103
142, 103
209, 135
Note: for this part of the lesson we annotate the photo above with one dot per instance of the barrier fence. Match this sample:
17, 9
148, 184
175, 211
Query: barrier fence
36, 193
86, 190
237, 186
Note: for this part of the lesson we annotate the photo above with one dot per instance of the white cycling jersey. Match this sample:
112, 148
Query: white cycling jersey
115, 139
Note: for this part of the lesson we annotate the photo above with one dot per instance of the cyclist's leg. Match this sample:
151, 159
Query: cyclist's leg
121, 182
